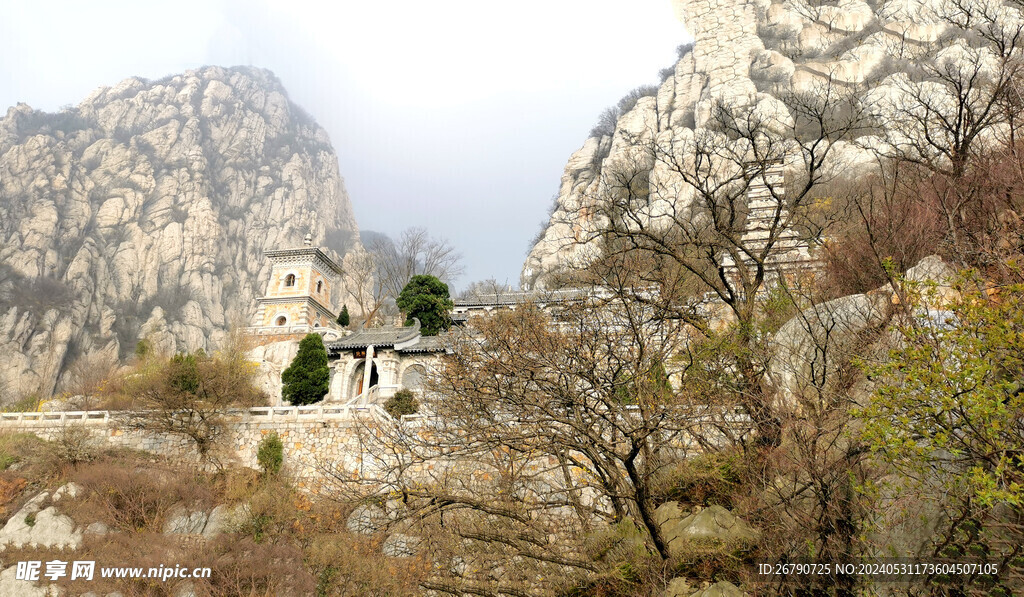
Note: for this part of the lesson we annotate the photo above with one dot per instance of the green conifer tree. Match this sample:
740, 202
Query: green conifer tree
306, 379
426, 298
343, 317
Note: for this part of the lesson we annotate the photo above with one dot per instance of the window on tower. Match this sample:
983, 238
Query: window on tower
319, 286
281, 320
289, 280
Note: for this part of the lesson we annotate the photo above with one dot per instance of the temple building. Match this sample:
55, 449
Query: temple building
298, 296
370, 365
367, 365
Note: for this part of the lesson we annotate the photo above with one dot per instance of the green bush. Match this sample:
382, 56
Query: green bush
183, 373
143, 348
307, 379
427, 299
270, 454
29, 403
402, 403
343, 317
702, 480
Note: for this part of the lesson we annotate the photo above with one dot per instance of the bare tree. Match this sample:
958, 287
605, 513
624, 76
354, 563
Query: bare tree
953, 112
542, 430
687, 202
362, 283
950, 95
189, 396
415, 253
488, 287
378, 275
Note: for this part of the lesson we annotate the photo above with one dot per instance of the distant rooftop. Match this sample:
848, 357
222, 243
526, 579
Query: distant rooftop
402, 339
516, 297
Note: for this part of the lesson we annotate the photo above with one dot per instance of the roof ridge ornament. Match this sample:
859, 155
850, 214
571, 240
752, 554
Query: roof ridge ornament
414, 330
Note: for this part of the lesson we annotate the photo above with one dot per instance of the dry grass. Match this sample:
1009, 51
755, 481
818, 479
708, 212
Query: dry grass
285, 543
136, 497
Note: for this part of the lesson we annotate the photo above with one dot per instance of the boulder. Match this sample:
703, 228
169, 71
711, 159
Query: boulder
9, 585
221, 519
935, 278
720, 589
71, 490
400, 545
96, 528
185, 522
811, 347
678, 587
44, 527
367, 519
713, 524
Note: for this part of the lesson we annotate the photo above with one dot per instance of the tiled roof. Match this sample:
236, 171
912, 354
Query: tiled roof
386, 336
522, 296
304, 252
426, 344
403, 339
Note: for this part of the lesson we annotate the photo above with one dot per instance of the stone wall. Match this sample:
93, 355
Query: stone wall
312, 435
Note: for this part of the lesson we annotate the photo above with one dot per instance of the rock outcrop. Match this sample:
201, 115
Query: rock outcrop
144, 211
183, 521
713, 524
756, 60
811, 347
34, 525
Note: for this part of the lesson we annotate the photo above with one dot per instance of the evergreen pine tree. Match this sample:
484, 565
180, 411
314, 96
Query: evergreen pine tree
426, 298
306, 379
343, 317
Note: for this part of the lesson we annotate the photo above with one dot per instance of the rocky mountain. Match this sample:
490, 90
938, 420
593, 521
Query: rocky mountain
903, 61
144, 212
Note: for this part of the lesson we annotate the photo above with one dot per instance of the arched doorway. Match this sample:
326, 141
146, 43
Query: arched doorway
412, 378
358, 377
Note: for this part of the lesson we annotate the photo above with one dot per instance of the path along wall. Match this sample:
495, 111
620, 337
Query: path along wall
312, 435
321, 445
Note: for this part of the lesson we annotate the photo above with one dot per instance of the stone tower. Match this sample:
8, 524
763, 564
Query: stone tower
298, 296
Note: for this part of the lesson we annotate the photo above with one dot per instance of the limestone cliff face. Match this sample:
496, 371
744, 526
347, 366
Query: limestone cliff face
144, 212
751, 53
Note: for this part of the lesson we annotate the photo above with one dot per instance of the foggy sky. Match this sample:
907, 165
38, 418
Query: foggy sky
456, 115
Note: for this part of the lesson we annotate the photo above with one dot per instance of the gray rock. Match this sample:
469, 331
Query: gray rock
935, 278
96, 528
9, 585
147, 208
400, 545
71, 490
678, 587
720, 589
931, 269
221, 519
810, 348
32, 525
714, 523
367, 519
185, 522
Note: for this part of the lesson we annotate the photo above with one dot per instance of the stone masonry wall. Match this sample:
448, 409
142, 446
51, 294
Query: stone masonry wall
312, 435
